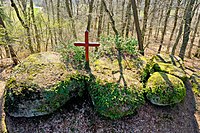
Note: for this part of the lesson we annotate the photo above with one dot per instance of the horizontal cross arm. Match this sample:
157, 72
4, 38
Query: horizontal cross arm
79, 43
92, 44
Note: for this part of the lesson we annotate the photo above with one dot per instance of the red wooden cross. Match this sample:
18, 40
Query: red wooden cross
86, 44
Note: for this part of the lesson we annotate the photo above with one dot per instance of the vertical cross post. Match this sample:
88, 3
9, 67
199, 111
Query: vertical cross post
86, 44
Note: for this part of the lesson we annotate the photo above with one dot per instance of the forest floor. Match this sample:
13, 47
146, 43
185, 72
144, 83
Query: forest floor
80, 116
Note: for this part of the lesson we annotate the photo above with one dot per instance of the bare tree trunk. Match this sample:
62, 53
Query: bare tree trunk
177, 38
54, 22
96, 16
193, 38
146, 10
122, 19
7, 38
1, 53
49, 28
27, 28
165, 25
35, 27
7, 51
59, 21
137, 25
186, 34
128, 19
174, 26
118, 44
197, 54
179, 34
90, 14
159, 23
151, 22
71, 18
100, 22
139, 2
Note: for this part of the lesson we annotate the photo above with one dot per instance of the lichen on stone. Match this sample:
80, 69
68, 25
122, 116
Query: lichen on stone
171, 59
163, 63
170, 69
40, 85
165, 89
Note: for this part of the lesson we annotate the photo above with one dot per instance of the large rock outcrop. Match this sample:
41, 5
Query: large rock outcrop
40, 85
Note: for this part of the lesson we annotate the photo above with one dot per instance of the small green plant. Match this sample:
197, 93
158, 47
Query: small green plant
129, 46
72, 55
110, 45
114, 101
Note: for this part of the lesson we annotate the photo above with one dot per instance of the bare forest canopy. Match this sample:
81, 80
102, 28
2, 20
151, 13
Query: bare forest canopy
31, 26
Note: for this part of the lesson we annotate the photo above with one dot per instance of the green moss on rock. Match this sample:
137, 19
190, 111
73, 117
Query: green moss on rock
170, 59
165, 89
195, 80
170, 69
163, 63
115, 95
40, 85
114, 101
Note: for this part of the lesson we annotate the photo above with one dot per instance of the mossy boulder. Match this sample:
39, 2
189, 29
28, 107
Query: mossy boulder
163, 63
40, 85
170, 59
165, 89
114, 94
170, 69
195, 80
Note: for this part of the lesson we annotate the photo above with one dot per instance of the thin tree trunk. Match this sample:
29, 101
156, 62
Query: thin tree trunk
174, 26
128, 20
108, 28
1, 53
90, 14
177, 38
96, 16
146, 10
7, 38
27, 28
37, 36
193, 38
71, 18
100, 22
59, 20
186, 34
151, 22
197, 53
137, 25
159, 23
49, 28
122, 19
54, 22
165, 25
139, 6
179, 34
7, 51
118, 44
